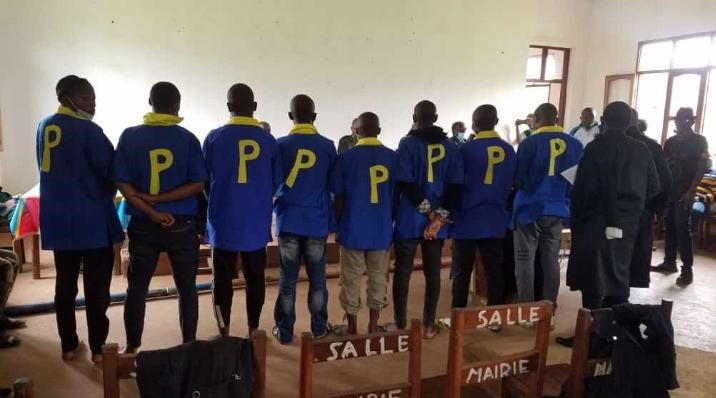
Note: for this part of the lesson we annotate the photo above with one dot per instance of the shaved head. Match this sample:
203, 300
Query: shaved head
303, 110
546, 115
484, 118
240, 100
368, 125
164, 97
425, 114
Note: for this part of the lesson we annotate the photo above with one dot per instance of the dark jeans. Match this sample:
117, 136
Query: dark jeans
253, 264
404, 257
146, 240
96, 279
491, 252
678, 234
293, 249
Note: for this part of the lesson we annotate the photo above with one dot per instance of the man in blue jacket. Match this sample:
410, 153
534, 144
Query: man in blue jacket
542, 201
303, 207
77, 214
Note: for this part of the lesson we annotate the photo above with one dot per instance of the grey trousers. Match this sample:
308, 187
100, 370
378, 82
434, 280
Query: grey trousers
546, 234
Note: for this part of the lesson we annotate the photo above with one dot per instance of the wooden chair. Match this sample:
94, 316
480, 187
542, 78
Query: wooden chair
582, 367
23, 388
529, 365
365, 345
116, 366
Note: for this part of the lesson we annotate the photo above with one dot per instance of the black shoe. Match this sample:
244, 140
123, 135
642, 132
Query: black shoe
667, 267
277, 335
7, 323
685, 279
565, 341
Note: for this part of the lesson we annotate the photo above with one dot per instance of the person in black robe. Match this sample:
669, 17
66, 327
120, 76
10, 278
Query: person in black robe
615, 179
641, 259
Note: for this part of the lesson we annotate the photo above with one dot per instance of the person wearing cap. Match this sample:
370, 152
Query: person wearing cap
688, 157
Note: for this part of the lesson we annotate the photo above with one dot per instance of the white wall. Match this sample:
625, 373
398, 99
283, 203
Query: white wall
350, 56
617, 27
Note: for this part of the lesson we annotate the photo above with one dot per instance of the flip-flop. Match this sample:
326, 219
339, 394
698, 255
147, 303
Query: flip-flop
8, 341
429, 334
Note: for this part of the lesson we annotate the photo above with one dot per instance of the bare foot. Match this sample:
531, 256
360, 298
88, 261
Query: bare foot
74, 354
127, 350
97, 359
430, 332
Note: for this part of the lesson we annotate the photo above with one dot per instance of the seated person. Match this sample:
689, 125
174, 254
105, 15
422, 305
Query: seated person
8, 270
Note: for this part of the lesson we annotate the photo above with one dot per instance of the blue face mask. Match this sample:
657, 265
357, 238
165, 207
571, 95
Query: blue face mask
461, 136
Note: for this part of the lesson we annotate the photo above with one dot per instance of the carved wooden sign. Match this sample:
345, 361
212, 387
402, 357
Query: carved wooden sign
495, 370
398, 391
360, 346
504, 316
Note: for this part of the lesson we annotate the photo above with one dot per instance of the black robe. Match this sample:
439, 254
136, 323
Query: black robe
641, 259
615, 179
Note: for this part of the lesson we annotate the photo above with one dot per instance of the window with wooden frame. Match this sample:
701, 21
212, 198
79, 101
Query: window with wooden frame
673, 73
618, 88
546, 77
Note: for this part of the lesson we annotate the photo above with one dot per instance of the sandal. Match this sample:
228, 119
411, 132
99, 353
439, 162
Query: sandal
430, 332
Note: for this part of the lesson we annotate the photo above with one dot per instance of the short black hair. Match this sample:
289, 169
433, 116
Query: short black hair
303, 109
69, 85
588, 109
617, 115
240, 99
546, 114
456, 125
425, 112
164, 96
485, 116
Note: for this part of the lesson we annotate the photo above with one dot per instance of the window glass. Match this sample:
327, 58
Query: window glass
656, 56
692, 53
650, 101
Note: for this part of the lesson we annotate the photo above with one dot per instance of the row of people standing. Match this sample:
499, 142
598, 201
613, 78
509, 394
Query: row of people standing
160, 168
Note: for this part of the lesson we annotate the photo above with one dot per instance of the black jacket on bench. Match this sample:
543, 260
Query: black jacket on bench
220, 368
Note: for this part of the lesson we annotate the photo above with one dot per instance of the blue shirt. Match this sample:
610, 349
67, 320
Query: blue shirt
156, 159
77, 209
244, 169
541, 159
489, 164
432, 166
364, 177
303, 204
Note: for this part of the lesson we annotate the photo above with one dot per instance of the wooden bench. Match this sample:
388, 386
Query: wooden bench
116, 366
316, 351
582, 367
528, 365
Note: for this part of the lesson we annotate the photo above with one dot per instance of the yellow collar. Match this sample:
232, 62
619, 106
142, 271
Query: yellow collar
486, 134
549, 129
243, 121
161, 119
303, 128
372, 141
63, 110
